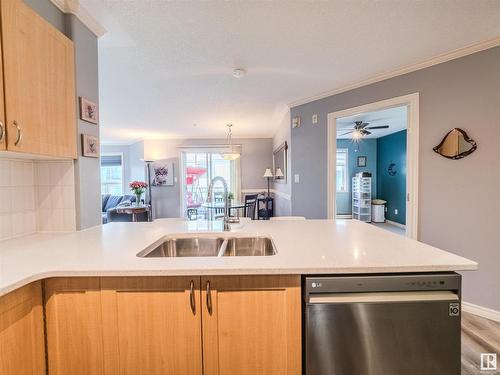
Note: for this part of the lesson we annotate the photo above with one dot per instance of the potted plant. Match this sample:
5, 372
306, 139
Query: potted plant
230, 197
138, 188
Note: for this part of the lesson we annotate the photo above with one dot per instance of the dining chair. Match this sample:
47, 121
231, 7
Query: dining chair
250, 205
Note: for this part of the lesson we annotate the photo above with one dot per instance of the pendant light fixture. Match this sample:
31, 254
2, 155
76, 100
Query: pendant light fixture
231, 154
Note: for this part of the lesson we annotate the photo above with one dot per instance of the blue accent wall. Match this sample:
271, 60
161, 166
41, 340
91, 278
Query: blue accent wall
391, 149
365, 147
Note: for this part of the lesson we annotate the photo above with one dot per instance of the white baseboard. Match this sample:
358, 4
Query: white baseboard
481, 311
396, 224
343, 216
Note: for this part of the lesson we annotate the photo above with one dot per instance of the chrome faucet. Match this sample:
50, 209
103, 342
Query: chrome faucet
227, 220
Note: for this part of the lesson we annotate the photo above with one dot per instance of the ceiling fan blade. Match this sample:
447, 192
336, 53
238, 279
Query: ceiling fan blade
341, 135
366, 132
378, 127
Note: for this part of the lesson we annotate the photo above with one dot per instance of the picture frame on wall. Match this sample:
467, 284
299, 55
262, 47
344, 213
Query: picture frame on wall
90, 146
361, 161
89, 111
162, 173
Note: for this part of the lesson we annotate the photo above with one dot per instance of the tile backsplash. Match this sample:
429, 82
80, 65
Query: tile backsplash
36, 196
55, 195
17, 198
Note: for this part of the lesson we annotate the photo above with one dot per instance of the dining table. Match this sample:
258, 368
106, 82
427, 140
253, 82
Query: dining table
214, 208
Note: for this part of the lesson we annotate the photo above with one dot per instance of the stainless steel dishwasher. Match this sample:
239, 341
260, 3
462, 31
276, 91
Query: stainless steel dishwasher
406, 324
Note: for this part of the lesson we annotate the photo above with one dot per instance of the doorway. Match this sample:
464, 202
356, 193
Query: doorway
373, 155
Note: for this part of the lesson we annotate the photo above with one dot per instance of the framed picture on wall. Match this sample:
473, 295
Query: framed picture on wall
163, 173
88, 110
90, 146
361, 162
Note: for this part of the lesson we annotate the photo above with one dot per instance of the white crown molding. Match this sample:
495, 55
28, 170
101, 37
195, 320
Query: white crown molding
74, 7
481, 311
444, 57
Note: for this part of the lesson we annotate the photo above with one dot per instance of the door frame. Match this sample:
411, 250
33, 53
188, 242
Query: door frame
411, 101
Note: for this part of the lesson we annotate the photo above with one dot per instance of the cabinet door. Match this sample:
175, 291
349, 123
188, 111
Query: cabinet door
21, 332
152, 325
74, 326
3, 130
251, 325
39, 84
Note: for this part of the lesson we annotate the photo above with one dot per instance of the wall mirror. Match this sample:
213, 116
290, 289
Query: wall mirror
456, 145
280, 163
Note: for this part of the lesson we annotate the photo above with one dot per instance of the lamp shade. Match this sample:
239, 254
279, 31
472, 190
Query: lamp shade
279, 173
268, 173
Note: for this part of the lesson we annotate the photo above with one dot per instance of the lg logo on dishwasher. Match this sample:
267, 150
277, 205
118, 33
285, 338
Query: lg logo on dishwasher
488, 361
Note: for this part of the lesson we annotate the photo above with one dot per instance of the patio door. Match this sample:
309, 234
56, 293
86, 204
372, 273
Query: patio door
198, 167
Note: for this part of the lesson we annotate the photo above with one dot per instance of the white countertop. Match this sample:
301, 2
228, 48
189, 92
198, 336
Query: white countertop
304, 247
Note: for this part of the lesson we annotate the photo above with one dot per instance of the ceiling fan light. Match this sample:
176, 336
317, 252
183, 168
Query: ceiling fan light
230, 156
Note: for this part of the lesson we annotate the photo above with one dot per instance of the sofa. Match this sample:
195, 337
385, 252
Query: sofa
111, 202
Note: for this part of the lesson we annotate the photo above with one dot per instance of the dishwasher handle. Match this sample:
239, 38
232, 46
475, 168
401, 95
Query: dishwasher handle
380, 297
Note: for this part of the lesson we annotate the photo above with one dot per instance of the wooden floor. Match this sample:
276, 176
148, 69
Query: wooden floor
479, 335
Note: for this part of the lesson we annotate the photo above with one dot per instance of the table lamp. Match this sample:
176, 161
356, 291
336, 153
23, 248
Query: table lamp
268, 174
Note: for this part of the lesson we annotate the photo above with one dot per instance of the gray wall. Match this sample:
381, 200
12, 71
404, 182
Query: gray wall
87, 174
282, 190
87, 170
459, 202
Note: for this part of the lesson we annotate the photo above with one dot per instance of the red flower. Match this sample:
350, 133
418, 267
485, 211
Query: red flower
138, 185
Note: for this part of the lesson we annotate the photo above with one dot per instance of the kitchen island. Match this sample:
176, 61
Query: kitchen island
107, 310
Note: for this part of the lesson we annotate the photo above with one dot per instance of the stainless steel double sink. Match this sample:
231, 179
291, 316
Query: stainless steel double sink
211, 247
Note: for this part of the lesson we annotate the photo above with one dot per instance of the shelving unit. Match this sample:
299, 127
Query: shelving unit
362, 198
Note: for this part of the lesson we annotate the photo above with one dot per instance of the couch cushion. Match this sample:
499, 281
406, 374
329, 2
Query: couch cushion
104, 200
113, 201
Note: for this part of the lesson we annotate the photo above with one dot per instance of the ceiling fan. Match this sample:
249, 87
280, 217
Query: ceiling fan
361, 129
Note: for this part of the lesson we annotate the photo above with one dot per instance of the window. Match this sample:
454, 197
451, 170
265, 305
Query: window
342, 172
198, 167
112, 174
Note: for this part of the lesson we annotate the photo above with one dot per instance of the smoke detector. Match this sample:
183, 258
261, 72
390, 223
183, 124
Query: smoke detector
239, 73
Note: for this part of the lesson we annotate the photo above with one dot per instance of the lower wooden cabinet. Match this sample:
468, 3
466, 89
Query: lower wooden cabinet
74, 326
174, 325
152, 325
251, 325
21, 332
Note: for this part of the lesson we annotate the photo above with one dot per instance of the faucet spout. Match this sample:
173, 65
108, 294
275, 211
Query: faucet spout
227, 219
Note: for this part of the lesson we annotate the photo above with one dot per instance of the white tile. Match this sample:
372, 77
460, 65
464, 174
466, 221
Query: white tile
18, 201
29, 198
5, 227
44, 220
4, 173
55, 174
16, 173
18, 224
5, 200
44, 198
30, 222
42, 174
68, 197
67, 174
69, 220
57, 216
56, 196
28, 174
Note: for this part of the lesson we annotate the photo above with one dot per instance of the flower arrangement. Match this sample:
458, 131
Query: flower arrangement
138, 188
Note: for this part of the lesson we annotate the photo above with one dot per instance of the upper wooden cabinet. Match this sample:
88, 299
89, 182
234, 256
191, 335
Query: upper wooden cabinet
251, 325
39, 81
21, 332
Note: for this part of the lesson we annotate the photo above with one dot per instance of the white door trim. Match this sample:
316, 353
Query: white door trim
412, 142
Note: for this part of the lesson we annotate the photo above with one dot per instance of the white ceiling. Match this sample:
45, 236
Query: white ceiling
395, 117
166, 65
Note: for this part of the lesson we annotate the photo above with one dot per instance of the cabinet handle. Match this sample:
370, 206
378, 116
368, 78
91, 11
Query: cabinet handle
1, 130
209, 298
192, 300
19, 133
